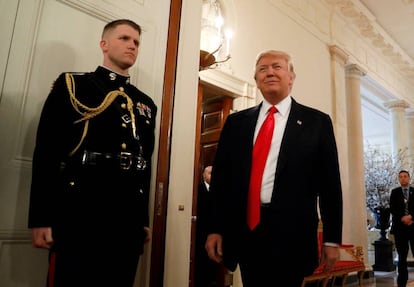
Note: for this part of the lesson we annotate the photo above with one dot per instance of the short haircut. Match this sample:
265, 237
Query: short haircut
116, 23
276, 53
404, 171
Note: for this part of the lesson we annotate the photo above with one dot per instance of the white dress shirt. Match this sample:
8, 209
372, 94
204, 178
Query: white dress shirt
281, 117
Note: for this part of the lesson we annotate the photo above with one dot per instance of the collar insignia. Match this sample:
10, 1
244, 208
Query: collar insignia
112, 76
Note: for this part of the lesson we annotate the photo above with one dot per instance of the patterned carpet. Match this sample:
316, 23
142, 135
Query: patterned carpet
386, 279
409, 284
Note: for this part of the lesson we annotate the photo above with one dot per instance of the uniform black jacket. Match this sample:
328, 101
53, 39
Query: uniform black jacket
56, 197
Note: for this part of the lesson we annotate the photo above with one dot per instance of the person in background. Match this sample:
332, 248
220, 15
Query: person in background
205, 268
267, 221
402, 211
92, 169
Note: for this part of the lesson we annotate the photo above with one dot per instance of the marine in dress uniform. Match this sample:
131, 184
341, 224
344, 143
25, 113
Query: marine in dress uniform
91, 177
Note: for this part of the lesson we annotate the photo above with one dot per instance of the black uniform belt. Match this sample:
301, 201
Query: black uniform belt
123, 160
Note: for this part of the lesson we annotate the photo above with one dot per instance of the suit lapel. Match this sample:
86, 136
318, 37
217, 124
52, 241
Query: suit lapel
290, 136
410, 189
251, 120
248, 126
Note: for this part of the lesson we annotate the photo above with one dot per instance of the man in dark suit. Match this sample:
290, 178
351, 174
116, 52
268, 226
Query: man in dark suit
301, 172
402, 210
92, 169
205, 268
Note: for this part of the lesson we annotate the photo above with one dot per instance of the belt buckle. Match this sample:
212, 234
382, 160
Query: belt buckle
125, 160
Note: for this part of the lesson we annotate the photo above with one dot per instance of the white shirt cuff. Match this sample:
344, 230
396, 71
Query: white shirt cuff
331, 244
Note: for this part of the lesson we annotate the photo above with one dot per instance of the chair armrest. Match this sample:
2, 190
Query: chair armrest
355, 252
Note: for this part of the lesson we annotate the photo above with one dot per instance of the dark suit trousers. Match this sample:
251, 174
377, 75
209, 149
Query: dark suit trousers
259, 266
402, 239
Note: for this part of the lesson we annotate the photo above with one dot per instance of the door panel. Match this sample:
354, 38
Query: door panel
215, 112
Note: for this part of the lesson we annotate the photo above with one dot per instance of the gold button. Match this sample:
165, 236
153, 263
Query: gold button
124, 125
121, 89
123, 105
123, 146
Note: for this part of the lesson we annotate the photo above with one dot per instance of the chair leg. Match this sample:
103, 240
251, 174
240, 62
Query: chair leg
360, 277
333, 280
344, 279
325, 281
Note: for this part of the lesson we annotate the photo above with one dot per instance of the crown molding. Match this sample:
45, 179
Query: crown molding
357, 15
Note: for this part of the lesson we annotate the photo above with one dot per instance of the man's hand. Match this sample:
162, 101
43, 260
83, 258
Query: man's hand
330, 254
42, 237
407, 219
214, 247
148, 232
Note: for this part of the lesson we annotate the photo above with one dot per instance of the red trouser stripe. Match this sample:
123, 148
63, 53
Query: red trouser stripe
51, 271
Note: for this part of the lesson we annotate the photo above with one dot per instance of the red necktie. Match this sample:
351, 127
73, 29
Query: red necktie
260, 152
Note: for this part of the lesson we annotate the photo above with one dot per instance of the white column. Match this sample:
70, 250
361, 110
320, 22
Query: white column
347, 119
356, 194
399, 138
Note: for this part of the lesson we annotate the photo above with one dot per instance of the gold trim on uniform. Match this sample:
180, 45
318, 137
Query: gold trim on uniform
88, 113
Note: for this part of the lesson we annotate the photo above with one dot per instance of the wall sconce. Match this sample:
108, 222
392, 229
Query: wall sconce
214, 44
